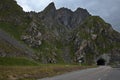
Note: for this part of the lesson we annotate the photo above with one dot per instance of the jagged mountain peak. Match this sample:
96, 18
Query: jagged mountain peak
51, 6
49, 11
80, 9
64, 16
65, 9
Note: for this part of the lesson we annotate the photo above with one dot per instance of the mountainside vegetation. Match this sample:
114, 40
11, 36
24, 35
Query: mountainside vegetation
56, 35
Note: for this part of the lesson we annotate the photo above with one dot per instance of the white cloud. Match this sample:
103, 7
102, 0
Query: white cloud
33, 5
23, 4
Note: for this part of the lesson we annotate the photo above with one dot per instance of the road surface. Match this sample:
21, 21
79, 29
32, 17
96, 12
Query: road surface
100, 73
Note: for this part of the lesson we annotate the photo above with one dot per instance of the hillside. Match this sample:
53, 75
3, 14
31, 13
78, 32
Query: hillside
56, 35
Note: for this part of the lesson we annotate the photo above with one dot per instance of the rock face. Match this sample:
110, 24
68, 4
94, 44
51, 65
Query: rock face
12, 48
64, 36
63, 16
33, 36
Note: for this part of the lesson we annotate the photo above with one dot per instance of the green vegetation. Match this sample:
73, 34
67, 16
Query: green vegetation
59, 43
36, 72
102, 44
7, 48
12, 29
6, 8
15, 61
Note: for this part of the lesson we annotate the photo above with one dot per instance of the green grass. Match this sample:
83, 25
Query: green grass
36, 72
15, 61
10, 6
11, 29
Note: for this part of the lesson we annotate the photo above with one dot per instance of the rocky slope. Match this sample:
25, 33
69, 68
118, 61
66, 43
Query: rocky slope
13, 48
60, 35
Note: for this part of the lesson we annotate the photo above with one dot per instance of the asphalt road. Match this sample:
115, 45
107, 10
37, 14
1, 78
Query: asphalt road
113, 75
100, 73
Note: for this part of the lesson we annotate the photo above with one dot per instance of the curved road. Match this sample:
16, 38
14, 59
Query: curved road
100, 73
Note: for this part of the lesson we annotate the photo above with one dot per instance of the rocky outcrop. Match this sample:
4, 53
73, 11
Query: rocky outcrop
93, 39
33, 36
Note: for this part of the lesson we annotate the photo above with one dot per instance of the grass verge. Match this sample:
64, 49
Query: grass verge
36, 72
17, 61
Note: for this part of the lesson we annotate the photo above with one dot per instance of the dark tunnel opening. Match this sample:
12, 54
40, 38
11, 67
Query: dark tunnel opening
101, 61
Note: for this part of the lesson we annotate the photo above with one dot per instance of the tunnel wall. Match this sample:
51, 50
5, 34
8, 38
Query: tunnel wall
106, 57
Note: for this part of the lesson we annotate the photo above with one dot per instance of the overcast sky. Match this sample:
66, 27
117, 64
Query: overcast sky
109, 10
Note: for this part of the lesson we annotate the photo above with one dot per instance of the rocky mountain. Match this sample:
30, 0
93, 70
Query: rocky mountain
59, 35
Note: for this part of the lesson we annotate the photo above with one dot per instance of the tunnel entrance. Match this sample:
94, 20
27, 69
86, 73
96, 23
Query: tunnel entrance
101, 61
